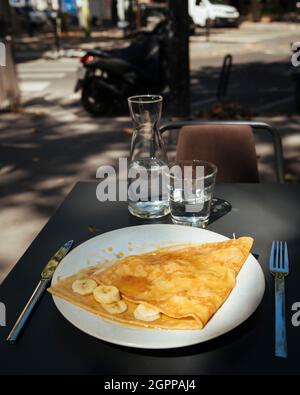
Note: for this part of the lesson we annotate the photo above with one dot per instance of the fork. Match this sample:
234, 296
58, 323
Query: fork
279, 267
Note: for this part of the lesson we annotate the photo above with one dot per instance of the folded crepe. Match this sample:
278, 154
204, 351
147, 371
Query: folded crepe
187, 284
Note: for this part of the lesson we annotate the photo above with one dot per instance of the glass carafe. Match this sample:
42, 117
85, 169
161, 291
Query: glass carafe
148, 159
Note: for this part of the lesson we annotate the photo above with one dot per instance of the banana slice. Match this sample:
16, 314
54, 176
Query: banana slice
107, 294
143, 313
84, 286
115, 308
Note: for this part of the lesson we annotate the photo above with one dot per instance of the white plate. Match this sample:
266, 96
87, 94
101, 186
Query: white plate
242, 302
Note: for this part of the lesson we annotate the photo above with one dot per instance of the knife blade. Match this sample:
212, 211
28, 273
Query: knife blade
46, 277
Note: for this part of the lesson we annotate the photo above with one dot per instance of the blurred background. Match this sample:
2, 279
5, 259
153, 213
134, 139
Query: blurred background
70, 64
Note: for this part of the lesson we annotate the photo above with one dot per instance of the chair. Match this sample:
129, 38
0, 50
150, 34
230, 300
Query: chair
230, 145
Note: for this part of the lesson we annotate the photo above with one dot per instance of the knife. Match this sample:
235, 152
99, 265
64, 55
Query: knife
46, 277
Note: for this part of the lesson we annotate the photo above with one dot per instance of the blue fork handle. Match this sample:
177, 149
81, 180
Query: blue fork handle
280, 322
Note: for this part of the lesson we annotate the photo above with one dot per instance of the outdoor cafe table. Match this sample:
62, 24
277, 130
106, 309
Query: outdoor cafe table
51, 345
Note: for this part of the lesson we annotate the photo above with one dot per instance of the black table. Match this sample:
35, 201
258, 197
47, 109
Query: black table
50, 345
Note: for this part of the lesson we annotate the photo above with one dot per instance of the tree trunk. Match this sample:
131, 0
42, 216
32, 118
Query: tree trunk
138, 14
256, 10
86, 18
9, 87
114, 12
130, 16
179, 64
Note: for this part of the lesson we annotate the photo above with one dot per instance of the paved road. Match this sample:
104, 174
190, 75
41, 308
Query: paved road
47, 78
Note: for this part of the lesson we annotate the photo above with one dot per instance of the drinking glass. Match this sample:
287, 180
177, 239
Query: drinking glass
191, 185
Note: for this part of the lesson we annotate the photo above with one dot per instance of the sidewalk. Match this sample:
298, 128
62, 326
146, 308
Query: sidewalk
41, 45
250, 38
43, 155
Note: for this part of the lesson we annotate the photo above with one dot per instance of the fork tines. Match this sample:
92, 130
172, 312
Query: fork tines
279, 260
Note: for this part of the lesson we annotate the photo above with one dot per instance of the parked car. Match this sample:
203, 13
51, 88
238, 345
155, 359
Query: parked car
217, 12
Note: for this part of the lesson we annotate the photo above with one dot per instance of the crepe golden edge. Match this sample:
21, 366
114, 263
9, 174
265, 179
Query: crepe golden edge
63, 289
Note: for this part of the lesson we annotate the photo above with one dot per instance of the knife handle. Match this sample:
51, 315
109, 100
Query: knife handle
19, 325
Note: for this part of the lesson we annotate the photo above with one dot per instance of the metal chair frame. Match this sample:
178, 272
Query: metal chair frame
256, 126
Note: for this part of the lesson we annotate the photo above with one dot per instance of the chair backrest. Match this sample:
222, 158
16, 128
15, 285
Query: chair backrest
231, 148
